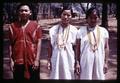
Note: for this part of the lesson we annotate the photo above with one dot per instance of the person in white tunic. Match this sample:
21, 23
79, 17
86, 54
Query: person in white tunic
61, 55
94, 48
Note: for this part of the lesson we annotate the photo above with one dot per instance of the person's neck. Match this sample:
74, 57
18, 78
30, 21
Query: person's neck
64, 25
23, 22
91, 28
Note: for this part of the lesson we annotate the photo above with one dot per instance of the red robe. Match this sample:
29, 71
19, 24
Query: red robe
24, 43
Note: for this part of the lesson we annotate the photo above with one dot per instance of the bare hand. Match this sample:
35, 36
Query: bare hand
35, 65
11, 65
105, 69
77, 68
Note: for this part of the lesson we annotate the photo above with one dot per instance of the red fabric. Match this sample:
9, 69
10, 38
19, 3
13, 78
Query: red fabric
24, 44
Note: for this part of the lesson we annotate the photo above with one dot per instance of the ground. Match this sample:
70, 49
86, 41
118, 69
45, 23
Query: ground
46, 24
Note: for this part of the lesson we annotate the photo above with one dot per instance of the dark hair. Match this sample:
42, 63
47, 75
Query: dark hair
22, 4
91, 10
18, 8
66, 8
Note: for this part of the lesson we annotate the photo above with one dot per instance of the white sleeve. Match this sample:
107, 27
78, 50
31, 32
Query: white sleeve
75, 35
106, 34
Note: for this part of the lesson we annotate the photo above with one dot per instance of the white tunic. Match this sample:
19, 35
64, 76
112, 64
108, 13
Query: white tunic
92, 63
62, 59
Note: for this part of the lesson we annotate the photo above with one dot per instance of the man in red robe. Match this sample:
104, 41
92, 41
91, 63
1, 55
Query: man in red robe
25, 45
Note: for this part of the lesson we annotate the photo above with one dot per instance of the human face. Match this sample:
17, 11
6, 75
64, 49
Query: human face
24, 12
92, 19
66, 16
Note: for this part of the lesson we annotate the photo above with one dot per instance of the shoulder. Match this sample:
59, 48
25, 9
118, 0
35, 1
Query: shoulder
14, 23
103, 29
33, 21
54, 27
104, 32
73, 28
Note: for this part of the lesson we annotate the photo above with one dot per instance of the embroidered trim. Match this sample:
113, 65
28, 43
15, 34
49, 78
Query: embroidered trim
11, 30
62, 39
94, 46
